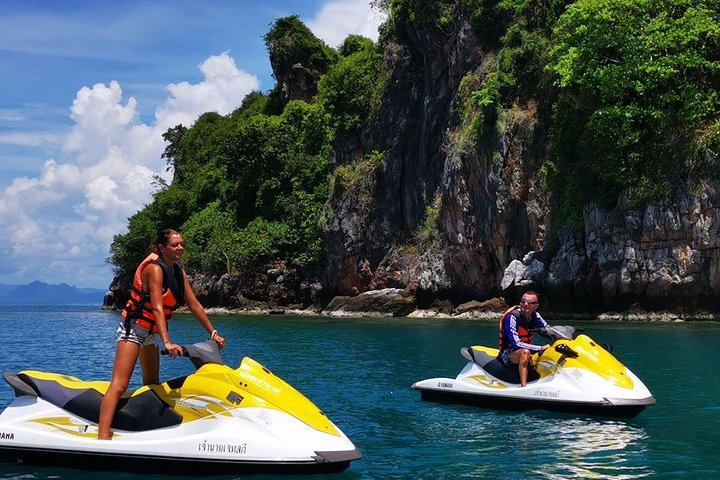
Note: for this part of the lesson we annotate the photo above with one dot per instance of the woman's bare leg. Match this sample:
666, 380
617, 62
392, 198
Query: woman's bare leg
125, 358
150, 364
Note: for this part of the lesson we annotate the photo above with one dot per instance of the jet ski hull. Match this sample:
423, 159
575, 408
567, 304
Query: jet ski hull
169, 466
599, 408
34, 432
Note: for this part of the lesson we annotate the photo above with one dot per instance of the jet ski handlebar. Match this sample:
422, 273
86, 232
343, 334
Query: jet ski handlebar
185, 352
200, 353
565, 349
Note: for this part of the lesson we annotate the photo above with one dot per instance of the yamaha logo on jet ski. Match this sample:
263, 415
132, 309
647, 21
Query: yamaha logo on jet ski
576, 375
7, 436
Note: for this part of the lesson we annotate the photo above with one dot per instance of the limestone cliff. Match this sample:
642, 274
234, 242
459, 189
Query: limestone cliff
482, 208
448, 219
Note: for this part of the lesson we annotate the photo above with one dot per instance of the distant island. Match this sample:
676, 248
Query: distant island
43, 293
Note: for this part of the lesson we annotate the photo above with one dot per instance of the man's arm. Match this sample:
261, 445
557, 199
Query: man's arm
541, 322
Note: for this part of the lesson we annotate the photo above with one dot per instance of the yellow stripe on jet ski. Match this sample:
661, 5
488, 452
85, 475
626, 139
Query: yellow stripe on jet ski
493, 352
487, 382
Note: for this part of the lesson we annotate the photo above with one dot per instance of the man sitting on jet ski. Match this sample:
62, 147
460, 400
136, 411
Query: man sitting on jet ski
515, 334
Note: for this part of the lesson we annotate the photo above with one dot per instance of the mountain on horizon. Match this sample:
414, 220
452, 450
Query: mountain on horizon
39, 292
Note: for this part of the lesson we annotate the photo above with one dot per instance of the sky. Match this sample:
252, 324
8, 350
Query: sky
87, 89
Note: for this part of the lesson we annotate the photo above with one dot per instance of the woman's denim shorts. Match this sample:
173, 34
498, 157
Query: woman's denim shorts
136, 334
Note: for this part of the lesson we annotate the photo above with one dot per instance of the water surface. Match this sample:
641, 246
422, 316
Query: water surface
359, 371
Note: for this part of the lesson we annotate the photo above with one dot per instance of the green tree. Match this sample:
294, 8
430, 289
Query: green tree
639, 100
261, 240
173, 150
348, 90
290, 41
128, 250
210, 239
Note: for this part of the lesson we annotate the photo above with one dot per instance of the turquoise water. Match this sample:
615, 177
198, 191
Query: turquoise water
359, 371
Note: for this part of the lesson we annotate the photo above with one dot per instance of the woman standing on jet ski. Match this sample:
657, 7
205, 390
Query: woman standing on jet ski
160, 286
515, 336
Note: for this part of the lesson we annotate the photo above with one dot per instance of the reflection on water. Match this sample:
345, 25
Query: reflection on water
494, 445
597, 449
582, 437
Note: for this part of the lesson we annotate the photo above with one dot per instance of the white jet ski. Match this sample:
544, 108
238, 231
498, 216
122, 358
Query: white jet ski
218, 420
573, 375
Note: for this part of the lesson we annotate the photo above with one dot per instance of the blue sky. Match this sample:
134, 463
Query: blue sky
88, 88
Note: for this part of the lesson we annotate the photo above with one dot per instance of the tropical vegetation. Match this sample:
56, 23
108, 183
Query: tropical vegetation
627, 95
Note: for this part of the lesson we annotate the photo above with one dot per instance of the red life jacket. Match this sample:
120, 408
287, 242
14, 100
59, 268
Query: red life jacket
139, 308
522, 330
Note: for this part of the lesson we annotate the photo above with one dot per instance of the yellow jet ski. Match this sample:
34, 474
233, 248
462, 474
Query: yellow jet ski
576, 374
218, 420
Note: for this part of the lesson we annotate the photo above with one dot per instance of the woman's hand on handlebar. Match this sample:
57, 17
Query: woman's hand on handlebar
172, 349
218, 339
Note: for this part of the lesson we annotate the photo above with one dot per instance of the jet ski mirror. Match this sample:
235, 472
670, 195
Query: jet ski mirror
566, 350
201, 353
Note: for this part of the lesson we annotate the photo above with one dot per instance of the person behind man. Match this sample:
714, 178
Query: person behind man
515, 336
159, 288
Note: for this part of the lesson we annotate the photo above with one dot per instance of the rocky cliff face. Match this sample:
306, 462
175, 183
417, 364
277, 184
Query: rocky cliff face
483, 208
445, 219
663, 256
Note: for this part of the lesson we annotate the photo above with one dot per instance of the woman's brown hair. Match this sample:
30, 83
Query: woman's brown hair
162, 238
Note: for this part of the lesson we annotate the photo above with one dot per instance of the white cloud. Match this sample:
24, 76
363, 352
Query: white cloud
11, 115
223, 90
338, 19
102, 194
101, 122
58, 226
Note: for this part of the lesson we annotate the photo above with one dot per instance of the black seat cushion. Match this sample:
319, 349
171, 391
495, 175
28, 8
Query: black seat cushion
145, 411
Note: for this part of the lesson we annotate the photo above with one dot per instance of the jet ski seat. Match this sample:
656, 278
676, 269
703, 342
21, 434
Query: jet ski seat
140, 412
493, 366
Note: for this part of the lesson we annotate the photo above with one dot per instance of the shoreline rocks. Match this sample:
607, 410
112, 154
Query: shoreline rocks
396, 304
